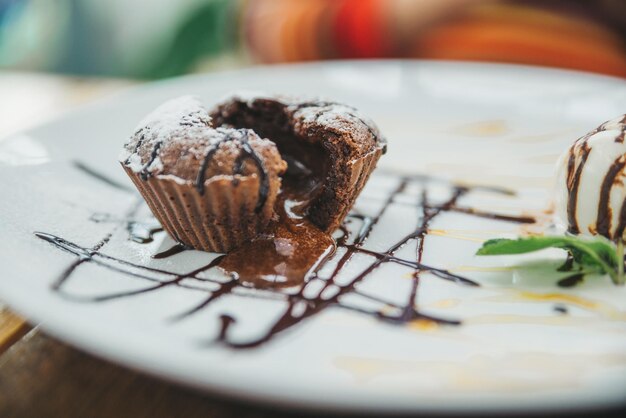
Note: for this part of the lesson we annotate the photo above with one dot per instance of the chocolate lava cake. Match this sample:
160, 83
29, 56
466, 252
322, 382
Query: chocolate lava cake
214, 179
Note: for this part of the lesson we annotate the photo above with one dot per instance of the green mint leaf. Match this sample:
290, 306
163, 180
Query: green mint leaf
596, 253
502, 246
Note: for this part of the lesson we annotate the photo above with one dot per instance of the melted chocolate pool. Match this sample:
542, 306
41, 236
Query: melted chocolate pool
292, 245
282, 258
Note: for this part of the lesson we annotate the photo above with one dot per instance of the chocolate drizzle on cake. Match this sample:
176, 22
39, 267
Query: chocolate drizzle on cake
334, 282
246, 152
145, 173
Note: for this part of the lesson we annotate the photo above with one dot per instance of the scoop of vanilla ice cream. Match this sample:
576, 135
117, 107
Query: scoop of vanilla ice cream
590, 195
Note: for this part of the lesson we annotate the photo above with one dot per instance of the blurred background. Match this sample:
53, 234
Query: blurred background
58, 54
151, 39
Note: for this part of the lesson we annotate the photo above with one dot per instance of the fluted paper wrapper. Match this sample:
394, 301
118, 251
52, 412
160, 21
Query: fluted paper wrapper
218, 220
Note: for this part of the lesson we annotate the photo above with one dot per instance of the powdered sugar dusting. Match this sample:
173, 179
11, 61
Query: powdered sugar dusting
180, 131
335, 116
132, 161
171, 115
182, 127
186, 113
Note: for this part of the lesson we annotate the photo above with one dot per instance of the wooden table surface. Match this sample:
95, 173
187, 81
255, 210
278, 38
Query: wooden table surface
42, 377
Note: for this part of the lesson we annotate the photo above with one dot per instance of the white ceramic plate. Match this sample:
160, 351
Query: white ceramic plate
470, 123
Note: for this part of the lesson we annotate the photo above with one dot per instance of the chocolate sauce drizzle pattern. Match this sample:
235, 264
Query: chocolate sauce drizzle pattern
100, 177
299, 303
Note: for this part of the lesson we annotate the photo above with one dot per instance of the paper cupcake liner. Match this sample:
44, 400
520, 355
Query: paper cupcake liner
218, 220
